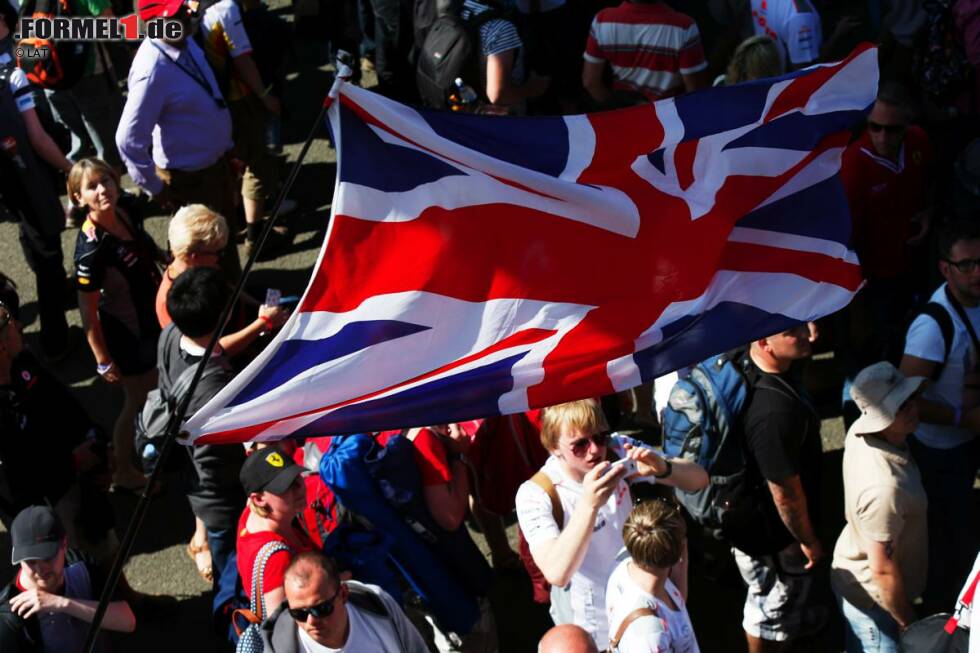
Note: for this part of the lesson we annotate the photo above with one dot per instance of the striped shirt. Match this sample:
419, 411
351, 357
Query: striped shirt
649, 47
496, 37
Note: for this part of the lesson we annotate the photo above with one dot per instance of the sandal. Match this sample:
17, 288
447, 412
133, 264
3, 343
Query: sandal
200, 555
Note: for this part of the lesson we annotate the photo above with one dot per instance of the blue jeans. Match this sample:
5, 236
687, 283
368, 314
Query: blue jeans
868, 631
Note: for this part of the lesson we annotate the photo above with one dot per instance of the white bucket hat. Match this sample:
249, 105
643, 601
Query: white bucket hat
879, 391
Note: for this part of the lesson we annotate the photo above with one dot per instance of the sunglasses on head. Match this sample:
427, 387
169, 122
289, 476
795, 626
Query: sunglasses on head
580, 446
318, 611
888, 129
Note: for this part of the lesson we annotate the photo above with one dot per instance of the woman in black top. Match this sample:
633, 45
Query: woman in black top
117, 276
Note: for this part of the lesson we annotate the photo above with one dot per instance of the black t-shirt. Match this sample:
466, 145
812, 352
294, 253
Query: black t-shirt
216, 495
124, 270
41, 423
782, 437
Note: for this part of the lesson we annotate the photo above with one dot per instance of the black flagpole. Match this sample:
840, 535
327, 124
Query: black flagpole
170, 438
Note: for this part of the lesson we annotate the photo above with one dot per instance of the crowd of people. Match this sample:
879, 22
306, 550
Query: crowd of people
360, 543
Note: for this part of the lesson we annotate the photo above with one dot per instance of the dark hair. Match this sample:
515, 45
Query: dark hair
954, 231
896, 95
8, 291
196, 299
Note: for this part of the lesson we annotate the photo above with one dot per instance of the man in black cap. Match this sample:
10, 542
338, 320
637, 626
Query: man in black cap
52, 599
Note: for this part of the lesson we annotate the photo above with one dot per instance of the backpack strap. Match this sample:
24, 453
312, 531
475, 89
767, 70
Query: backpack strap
941, 316
544, 482
257, 597
639, 613
365, 599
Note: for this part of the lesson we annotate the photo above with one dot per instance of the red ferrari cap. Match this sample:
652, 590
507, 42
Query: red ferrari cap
150, 9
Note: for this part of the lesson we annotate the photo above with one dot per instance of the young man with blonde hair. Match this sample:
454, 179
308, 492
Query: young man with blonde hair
572, 511
646, 593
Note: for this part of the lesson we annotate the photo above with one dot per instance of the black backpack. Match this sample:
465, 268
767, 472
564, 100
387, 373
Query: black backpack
450, 49
65, 61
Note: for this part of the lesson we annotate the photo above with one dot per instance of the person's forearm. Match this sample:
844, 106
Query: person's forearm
235, 343
118, 616
559, 561
932, 412
891, 588
47, 149
793, 512
93, 328
248, 72
687, 475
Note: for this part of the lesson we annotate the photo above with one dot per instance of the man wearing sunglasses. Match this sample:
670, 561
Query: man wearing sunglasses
945, 445
886, 175
572, 512
324, 614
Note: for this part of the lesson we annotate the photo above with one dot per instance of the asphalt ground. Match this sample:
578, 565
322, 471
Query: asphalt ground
159, 564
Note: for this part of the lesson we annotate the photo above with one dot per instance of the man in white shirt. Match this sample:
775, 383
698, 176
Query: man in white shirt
795, 24
572, 511
945, 445
323, 614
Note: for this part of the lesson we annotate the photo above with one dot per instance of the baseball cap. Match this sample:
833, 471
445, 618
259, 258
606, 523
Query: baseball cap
150, 9
268, 470
36, 534
879, 391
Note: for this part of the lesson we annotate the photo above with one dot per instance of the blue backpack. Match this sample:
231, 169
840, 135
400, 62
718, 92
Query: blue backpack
702, 423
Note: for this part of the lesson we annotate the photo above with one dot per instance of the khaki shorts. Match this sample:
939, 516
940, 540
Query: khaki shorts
248, 119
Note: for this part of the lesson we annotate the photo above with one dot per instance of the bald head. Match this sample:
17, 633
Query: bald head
567, 638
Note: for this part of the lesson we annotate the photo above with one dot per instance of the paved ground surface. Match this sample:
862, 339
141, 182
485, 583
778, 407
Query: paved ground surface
159, 564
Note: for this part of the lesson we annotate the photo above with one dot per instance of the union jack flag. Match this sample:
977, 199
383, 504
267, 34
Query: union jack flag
483, 265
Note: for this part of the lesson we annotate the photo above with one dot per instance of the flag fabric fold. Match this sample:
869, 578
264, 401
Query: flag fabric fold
480, 265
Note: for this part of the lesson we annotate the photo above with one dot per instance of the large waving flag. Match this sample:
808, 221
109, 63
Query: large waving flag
483, 265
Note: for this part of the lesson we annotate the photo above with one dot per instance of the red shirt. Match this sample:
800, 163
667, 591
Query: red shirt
248, 545
429, 454
884, 196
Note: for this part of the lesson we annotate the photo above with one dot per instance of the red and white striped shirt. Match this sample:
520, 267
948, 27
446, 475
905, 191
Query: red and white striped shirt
649, 47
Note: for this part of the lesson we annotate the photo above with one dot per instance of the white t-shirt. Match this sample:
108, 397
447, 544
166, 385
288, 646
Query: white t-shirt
925, 340
363, 637
588, 584
794, 23
670, 631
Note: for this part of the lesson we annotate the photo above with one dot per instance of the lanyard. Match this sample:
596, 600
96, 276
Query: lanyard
197, 74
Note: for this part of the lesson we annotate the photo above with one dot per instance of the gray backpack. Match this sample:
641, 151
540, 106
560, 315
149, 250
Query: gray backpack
151, 422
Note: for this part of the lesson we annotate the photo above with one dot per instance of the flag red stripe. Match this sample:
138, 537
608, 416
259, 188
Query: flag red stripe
751, 257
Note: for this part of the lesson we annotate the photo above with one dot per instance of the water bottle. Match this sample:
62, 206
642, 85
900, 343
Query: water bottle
150, 457
464, 98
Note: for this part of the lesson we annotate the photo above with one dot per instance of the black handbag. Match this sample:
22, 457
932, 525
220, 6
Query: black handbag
940, 633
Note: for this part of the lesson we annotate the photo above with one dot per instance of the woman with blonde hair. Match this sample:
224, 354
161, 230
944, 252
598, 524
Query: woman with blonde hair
116, 275
197, 237
755, 58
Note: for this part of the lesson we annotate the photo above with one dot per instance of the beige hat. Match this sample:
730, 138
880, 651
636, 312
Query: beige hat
879, 390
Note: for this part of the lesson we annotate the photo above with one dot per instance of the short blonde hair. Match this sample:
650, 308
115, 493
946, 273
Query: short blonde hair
756, 57
261, 511
584, 414
196, 229
79, 170
654, 534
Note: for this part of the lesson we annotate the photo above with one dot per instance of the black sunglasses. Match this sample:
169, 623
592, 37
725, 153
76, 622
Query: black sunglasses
579, 447
888, 129
324, 609
966, 265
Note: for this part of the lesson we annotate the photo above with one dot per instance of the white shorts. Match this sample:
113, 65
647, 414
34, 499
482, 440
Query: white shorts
778, 587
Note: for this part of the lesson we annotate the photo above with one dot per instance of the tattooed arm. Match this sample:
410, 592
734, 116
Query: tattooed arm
791, 504
891, 585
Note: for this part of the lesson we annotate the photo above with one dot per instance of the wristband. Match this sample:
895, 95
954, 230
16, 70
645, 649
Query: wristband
957, 416
102, 368
267, 322
668, 471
